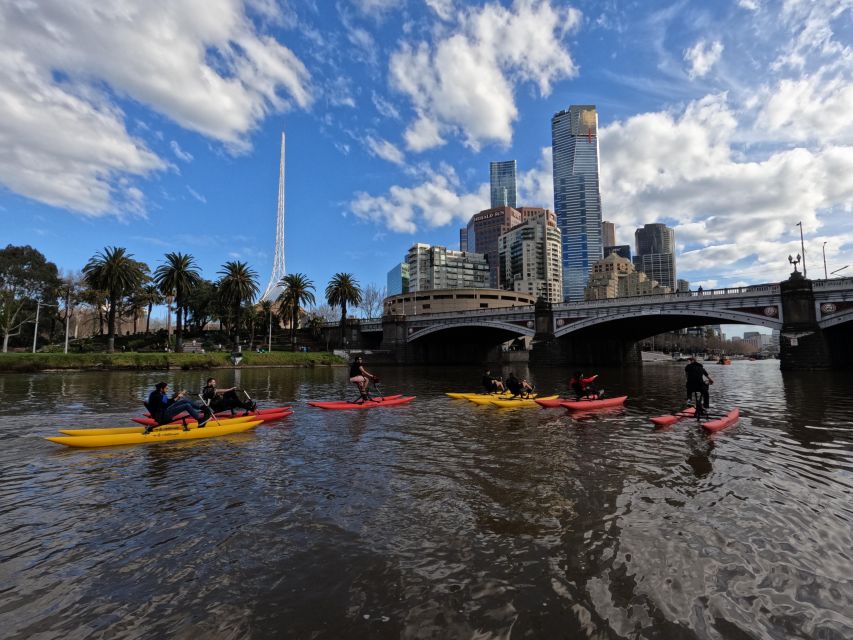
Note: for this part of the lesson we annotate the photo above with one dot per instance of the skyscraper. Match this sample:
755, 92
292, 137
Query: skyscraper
577, 199
529, 255
483, 232
608, 234
502, 183
656, 253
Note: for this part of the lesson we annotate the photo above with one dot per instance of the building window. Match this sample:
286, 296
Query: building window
484, 305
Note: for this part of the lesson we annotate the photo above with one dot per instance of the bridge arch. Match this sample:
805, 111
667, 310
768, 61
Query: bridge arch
704, 316
487, 324
836, 319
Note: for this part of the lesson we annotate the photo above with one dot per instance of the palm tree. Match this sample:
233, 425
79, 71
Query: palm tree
267, 310
343, 290
177, 277
238, 284
115, 272
150, 296
297, 292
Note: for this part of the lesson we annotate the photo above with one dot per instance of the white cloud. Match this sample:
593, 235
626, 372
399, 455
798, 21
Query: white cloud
442, 8
66, 146
200, 63
465, 83
536, 186
749, 5
186, 156
684, 169
702, 56
384, 107
376, 7
385, 150
195, 194
813, 107
433, 203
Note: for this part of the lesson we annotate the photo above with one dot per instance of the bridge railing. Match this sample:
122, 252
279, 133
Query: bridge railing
833, 283
677, 296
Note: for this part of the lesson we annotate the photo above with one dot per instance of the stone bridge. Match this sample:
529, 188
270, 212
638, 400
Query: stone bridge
814, 318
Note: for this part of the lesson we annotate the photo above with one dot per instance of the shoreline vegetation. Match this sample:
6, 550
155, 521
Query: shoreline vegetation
28, 362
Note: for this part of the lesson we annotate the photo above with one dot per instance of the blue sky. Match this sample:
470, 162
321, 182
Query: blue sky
156, 126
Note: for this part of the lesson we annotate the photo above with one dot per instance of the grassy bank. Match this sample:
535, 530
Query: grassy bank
108, 361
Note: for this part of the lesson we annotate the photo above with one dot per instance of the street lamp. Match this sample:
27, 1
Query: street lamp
795, 262
802, 247
825, 276
40, 304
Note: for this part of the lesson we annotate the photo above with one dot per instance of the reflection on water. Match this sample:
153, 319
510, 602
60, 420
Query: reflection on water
435, 519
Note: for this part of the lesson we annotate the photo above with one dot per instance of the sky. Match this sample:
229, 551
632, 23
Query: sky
156, 124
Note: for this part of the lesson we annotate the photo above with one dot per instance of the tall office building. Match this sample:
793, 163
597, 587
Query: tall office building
502, 183
483, 232
655, 244
577, 199
529, 255
434, 267
398, 280
608, 234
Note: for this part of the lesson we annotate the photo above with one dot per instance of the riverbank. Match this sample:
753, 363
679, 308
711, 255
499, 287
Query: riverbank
14, 362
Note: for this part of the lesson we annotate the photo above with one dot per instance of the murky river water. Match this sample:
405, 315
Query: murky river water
439, 519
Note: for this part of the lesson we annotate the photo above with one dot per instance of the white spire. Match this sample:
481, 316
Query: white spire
273, 289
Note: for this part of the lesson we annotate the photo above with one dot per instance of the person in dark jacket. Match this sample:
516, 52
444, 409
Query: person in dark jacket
164, 409
225, 399
492, 384
696, 376
517, 387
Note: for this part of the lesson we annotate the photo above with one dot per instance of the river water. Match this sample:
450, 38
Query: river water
438, 519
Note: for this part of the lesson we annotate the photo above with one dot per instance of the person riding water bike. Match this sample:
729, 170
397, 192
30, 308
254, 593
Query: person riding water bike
225, 399
696, 375
163, 409
361, 377
492, 384
518, 387
585, 387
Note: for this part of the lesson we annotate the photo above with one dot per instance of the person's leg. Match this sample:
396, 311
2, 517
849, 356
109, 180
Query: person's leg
185, 405
706, 396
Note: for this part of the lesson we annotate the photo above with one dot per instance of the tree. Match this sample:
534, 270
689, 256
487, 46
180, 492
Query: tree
26, 277
178, 276
238, 284
297, 292
149, 296
343, 290
201, 305
371, 301
267, 311
115, 272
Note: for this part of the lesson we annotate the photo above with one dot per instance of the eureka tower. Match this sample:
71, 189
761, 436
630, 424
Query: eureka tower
577, 199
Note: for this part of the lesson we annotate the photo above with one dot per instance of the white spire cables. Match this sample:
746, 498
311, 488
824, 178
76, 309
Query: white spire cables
273, 289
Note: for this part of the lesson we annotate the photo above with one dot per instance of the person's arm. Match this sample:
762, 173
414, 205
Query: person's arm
704, 371
366, 373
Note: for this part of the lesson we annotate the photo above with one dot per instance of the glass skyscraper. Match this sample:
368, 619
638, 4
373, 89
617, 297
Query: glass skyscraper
502, 184
656, 253
577, 199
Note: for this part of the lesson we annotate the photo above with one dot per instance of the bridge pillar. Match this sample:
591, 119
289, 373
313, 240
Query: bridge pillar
802, 344
394, 336
546, 348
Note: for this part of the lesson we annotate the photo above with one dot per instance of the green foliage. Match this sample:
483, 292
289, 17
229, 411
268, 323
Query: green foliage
26, 276
160, 361
341, 291
298, 291
238, 284
115, 272
177, 277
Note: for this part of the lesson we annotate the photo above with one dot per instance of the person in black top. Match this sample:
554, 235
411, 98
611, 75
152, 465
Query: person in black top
164, 409
225, 399
361, 377
696, 375
492, 384
517, 387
